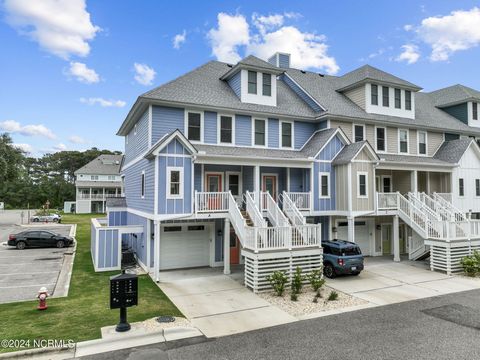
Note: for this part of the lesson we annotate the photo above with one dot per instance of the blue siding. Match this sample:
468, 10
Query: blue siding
298, 178
325, 222
273, 133
197, 178
117, 218
108, 243
243, 130
137, 144
166, 120
210, 124
133, 185
331, 149
459, 111
247, 180
303, 131
283, 61
235, 83
297, 90
322, 125
138, 242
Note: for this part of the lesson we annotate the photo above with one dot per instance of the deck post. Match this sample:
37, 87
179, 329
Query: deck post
226, 247
156, 252
396, 239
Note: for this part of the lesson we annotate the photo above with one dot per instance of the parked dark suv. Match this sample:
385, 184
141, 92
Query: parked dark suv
341, 257
38, 238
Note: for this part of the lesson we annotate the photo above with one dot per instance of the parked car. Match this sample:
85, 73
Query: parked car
341, 257
47, 218
38, 238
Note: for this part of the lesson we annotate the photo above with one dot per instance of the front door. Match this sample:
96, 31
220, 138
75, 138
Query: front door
234, 248
386, 239
269, 184
386, 184
233, 184
214, 185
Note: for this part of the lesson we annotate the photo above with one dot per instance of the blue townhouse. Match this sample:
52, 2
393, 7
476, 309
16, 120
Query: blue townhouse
256, 163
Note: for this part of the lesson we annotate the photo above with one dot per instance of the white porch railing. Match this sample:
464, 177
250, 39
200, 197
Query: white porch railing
302, 200
285, 237
274, 213
448, 197
253, 211
292, 212
211, 202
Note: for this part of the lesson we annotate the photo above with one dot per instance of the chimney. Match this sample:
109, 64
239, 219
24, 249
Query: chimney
281, 60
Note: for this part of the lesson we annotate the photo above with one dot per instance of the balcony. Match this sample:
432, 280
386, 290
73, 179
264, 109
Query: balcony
100, 197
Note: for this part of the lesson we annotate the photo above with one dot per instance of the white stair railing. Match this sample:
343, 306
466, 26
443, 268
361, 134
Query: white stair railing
420, 202
253, 211
292, 212
238, 222
274, 214
456, 213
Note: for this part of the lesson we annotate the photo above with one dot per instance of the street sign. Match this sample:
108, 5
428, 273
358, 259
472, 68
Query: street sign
123, 294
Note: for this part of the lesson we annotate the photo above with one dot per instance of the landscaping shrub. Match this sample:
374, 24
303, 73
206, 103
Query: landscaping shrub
278, 280
297, 281
316, 281
471, 264
333, 296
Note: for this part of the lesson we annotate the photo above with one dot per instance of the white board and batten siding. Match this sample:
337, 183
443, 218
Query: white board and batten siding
469, 171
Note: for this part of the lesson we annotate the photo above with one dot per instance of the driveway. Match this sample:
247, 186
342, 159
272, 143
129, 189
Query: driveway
386, 282
218, 304
24, 272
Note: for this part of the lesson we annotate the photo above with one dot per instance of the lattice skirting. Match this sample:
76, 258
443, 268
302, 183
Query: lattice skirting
259, 265
446, 256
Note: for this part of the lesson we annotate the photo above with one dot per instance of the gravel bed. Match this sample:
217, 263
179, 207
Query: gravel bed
305, 305
153, 324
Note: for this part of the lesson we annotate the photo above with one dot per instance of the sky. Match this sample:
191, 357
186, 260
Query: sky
70, 70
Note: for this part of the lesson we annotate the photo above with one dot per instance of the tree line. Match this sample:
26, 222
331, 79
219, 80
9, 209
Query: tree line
28, 181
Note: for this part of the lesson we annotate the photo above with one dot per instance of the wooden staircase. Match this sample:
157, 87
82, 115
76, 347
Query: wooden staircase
248, 219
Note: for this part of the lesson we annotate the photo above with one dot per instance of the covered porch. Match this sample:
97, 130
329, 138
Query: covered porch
405, 181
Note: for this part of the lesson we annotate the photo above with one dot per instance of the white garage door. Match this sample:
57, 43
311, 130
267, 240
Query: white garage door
361, 235
183, 246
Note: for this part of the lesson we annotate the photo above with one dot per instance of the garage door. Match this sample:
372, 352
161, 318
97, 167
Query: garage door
184, 246
361, 235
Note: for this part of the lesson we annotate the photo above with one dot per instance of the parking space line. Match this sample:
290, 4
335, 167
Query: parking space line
24, 286
35, 273
27, 263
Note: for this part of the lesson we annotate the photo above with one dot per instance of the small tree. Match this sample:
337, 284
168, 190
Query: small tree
470, 264
316, 281
297, 281
278, 280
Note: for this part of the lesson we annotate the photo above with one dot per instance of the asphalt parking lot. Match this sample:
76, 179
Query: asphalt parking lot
24, 272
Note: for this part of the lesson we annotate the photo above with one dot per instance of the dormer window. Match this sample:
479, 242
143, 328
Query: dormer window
398, 99
374, 94
408, 100
475, 111
385, 96
267, 84
252, 82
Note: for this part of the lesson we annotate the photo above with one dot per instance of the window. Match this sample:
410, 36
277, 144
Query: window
380, 139
385, 96
226, 129
234, 184
422, 143
252, 82
461, 187
172, 228
93, 177
174, 182
286, 134
362, 187
194, 126
477, 187
398, 99
403, 141
358, 133
374, 99
143, 184
324, 183
475, 111
408, 100
259, 132
267, 85
111, 177
196, 227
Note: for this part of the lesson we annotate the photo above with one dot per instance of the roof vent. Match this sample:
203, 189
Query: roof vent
229, 65
303, 71
321, 75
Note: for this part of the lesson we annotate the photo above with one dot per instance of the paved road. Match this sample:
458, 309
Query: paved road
420, 329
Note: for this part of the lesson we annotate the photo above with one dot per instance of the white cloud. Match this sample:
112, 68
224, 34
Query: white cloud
103, 102
13, 126
24, 147
408, 27
269, 35
82, 73
460, 30
61, 27
144, 74
231, 33
60, 147
179, 39
410, 54
75, 139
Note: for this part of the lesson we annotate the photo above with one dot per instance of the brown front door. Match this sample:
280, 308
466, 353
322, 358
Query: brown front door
234, 248
214, 185
269, 184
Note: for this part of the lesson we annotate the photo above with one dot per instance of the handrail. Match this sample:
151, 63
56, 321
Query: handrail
459, 216
275, 215
237, 219
300, 199
254, 212
292, 211
417, 200
211, 201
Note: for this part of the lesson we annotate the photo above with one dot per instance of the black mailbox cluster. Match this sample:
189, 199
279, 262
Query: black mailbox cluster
123, 291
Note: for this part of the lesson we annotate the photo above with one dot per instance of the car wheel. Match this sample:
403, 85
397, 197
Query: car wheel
329, 271
60, 244
21, 245
55, 220
36, 220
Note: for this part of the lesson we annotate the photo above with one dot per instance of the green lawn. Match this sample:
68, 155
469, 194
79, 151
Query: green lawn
86, 309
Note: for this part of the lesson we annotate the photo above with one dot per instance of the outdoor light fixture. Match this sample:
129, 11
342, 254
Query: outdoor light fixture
334, 229
219, 232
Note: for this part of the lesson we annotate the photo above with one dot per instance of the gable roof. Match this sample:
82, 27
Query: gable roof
252, 63
102, 165
368, 73
167, 139
320, 139
349, 152
453, 150
453, 95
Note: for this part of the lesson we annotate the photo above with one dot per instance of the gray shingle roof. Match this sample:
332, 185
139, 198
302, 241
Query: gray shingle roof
420, 160
203, 87
452, 95
369, 73
453, 150
102, 165
317, 141
348, 153
249, 152
116, 202
256, 62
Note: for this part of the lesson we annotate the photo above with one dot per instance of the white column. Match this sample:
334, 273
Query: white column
396, 239
256, 184
156, 252
428, 183
226, 247
414, 181
288, 179
351, 229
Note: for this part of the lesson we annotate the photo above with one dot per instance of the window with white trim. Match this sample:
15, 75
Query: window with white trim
287, 134
374, 94
93, 177
461, 187
174, 182
358, 133
362, 184
194, 126
226, 129
477, 187
252, 82
260, 132
381, 139
398, 98
385, 96
408, 100
324, 185
475, 111
266, 84
403, 141
422, 142
111, 177
142, 184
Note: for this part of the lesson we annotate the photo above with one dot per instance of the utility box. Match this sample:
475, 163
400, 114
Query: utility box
123, 291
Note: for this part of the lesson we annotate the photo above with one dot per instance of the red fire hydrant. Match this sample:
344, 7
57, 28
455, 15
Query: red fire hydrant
42, 298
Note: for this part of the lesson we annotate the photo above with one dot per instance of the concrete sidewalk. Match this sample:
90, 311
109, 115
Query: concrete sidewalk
217, 304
